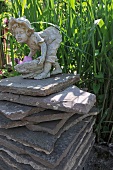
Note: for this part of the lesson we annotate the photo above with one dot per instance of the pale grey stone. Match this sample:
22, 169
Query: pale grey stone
46, 41
44, 87
71, 99
16, 111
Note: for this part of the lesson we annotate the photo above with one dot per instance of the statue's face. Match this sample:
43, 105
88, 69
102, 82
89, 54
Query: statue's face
20, 35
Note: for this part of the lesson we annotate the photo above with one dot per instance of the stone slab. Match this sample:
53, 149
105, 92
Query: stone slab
40, 141
7, 123
71, 99
21, 159
76, 118
78, 154
4, 166
77, 162
43, 87
61, 147
74, 156
51, 127
7, 161
47, 115
16, 111
85, 156
59, 126
11, 163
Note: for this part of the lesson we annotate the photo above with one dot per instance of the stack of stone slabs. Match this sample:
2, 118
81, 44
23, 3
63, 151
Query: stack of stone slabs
45, 124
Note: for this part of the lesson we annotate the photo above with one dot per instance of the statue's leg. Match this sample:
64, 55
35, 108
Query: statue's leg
57, 69
46, 71
52, 57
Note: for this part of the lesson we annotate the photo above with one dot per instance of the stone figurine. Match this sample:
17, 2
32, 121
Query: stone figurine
48, 41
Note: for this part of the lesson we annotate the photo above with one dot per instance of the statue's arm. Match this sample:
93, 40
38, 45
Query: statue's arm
32, 52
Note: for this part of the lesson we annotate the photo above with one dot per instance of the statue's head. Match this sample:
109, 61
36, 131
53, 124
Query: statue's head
20, 28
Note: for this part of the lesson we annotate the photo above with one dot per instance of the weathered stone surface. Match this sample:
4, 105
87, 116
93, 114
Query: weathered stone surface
7, 123
22, 159
84, 153
11, 163
47, 115
76, 118
43, 87
77, 162
75, 155
7, 161
40, 141
16, 111
62, 146
4, 166
71, 99
46, 41
59, 126
84, 157
51, 127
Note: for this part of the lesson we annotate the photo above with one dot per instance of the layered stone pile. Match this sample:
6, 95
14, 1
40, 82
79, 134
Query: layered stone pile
45, 124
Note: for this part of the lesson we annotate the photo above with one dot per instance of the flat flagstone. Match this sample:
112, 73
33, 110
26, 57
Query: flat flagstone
5, 166
40, 141
76, 118
51, 127
21, 159
42, 87
11, 163
16, 111
77, 160
8, 162
61, 148
74, 157
7, 123
59, 126
47, 115
71, 99
64, 144
82, 154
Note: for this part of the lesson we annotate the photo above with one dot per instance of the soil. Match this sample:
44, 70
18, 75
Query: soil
100, 158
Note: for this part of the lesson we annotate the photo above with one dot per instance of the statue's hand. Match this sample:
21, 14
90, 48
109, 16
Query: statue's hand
41, 59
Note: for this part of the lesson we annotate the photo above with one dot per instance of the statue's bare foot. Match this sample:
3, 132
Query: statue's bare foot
42, 76
56, 71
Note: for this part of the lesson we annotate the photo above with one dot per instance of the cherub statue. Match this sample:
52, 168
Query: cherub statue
48, 41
